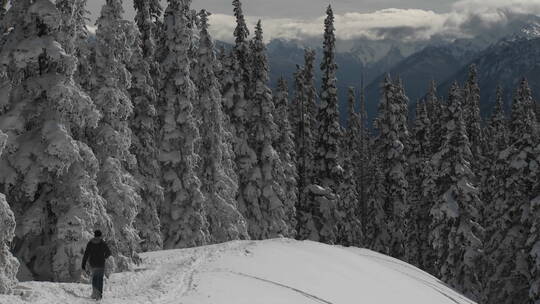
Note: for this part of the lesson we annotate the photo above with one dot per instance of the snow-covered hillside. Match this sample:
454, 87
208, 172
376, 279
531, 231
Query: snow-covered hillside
248, 272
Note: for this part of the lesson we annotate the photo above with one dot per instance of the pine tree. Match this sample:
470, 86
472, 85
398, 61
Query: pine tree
8, 264
454, 231
241, 47
511, 229
350, 227
47, 170
328, 171
182, 217
145, 71
77, 42
378, 230
318, 215
235, 85
534, 239
296, 117
111, 141
303, 113
263, 202
391, 145
363, 167
472, 116
418, 247
219, 182
498, 133
435, 109
147, 15
285, 144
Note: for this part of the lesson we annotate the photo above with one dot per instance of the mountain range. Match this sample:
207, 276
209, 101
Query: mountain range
503, 56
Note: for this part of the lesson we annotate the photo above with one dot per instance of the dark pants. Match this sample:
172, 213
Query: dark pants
97, 280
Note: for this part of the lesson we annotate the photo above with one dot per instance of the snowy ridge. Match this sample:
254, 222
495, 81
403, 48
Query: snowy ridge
265, 272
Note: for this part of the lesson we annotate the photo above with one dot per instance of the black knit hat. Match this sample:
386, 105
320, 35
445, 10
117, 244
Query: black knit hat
97, 233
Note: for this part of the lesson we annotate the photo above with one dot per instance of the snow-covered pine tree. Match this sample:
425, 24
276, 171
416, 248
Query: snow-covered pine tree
472, 117
263, 202
111, 140
498, 134
147, 15
534, 239
234, 88
435, 109
296, 117
318, 212
417, 234
363, 167
78, 44
302, 115
8, 264
48, 173
510, 268
144, 123
377, 228
219, 182
391, 146
497, 129
183, 218
285, 144
327, 169
241, 47
455, 234
311, 106
350, 227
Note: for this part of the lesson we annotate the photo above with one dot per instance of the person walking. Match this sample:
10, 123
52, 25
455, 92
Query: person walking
96, 253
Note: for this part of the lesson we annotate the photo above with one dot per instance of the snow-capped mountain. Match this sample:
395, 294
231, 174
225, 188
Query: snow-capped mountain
279, 271
505, 63
418, 62
436, 62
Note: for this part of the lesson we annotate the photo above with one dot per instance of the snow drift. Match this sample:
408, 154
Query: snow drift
265, 272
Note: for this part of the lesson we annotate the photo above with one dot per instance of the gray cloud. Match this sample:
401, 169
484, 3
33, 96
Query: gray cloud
301, 19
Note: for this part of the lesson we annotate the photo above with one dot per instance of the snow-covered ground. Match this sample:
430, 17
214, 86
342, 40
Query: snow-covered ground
264, 272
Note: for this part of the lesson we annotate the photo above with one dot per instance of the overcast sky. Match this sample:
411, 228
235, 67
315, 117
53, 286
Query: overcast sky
409, 19
299, 8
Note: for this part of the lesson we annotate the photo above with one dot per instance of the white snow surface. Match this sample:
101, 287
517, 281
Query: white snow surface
275, 271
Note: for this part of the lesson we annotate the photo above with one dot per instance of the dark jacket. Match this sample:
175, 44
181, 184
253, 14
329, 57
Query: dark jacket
97, 252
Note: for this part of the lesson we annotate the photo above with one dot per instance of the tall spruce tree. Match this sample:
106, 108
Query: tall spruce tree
144, 123
303, 113
219, 181
417, 234
377, 228
8, 264
509, 277
235, 87
472, 117
111, 141
534, 239
391, 146
241, 47
285, 144
350, 227
263, 203
498, 133
435, 110
328, 170
47, 170
510, 268
454, 231
183, 218
319, 216
363, 167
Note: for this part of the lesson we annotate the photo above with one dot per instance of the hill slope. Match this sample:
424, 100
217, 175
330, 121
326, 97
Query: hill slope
266, 272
